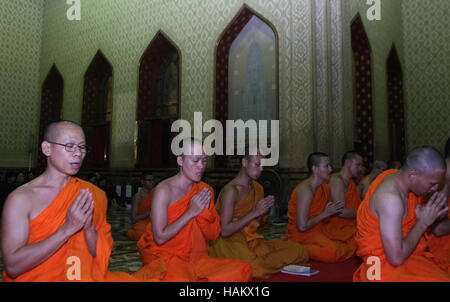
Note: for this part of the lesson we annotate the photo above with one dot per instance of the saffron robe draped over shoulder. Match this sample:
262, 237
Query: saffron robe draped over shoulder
345, 228
418, 267
136, 231
185, 256
332, 239
72, 261
267, 257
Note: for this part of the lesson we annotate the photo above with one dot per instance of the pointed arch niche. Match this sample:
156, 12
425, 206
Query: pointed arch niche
97, 111
158, 103
396, 107
51, 104
363, 136
246, 75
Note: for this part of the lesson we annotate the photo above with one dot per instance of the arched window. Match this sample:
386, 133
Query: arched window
158, 103
246, 79
363, 125
51, 104
396, 107
97, 111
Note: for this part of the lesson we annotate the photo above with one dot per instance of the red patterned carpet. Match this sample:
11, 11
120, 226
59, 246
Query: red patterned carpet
329, 272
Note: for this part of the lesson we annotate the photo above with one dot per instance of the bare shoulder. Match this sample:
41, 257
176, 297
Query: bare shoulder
386, 200
162, 192
229, 192
304, 191
336, 180
19, 201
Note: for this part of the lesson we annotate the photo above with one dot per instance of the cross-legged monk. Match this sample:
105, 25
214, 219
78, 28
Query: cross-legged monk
312, 216
343, 188
140, 207
175, 245
342, 185
439, 238
54, 227
242, 208
391, 222
378, 167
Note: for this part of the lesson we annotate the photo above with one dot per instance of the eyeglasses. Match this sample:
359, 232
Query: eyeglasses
71, 147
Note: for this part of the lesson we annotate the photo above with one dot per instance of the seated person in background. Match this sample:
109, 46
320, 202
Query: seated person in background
20, 179
342, 185
243, 209
175, 245
313, 216
108, 188
391, 222
394, 164
141, 205
439, 237
378, 167
7, 187
54, 227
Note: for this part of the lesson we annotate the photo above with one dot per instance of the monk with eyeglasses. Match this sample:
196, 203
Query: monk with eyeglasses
54, 227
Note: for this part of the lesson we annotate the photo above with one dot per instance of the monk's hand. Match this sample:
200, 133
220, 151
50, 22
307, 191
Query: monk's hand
78, 212
264, 205
90, 212
199, 202
333, 208
434, 208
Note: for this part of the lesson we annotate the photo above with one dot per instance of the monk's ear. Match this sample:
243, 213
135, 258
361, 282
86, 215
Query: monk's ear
412, 175
180, 160
45, 146
244, 162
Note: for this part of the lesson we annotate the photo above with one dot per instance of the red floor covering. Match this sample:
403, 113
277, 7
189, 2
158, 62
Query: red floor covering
329, 272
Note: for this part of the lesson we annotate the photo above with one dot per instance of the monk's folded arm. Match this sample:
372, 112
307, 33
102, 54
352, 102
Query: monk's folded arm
134, 210
390, 212
304, 200
337, 187
141, 217
18, 256
229, 227
162, 230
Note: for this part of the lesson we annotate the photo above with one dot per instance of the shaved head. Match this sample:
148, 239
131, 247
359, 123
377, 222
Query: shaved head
425, 160
52, 131
349, 155
380, 164
314, 160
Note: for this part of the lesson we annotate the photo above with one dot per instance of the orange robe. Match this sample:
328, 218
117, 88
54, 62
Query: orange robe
418, 267
331, 240
440, 247
59, 266
267, 257
139, 227
339, 226
185, 256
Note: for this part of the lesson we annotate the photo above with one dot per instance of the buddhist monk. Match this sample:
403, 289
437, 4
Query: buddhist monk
342, 185
312, 216
243, 210
140, 207
175, 245
391, 222
439, 237
54, 227
378, 167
